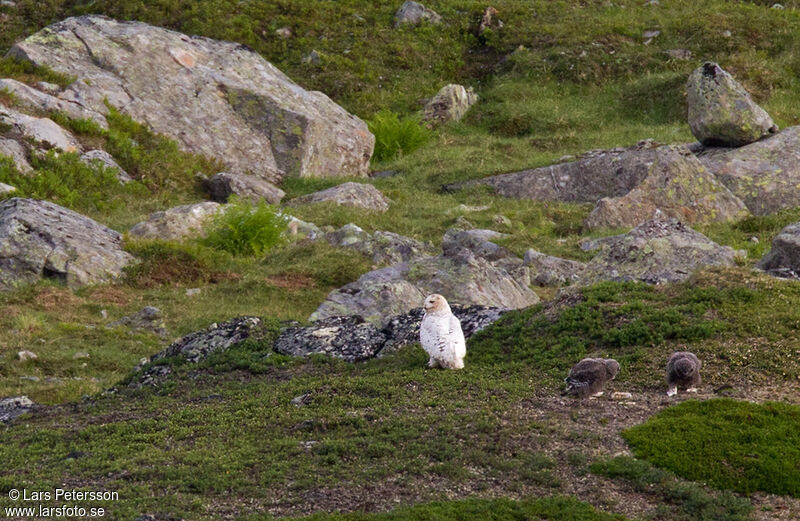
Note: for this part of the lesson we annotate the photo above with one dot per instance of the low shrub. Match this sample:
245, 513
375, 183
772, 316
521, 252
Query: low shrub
246, 229
396, 136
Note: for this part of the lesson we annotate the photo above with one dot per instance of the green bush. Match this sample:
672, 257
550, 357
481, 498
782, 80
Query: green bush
65, 180
395, 136
730, 444
246, 229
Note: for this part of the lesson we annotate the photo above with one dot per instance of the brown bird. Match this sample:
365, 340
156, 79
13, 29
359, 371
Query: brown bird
588, 376
683, 371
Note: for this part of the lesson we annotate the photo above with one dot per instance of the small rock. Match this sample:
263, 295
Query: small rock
302, 400
79, 355
49, 88
284, 32
148, 319
679, 54
249, 187
754, 240
29, 378
6, 189
463, 224
191, 292
451, 103
776, 6
23, 356
727, 34
313, 58
650, 34
177, 223
105, 159
358, 195
415, 13
501, 220
621, 396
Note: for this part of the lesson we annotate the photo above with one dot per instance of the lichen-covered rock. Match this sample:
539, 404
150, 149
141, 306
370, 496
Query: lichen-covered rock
594, 175
384, 248
463, 278
254, 189
105, 159
39, 239
349, 338
678, 185
414, 13
14, 150
219, 99
476, 241
33, 99
451, 103
148, 319
546, 270
765, 175
358, 195
721, 111
177, 223
15, 406
42, 132
657, 251
783, 260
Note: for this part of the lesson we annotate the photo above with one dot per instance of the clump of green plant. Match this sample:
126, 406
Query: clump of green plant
65, 180
83, 127
246, 229
735, 445
689, 501
26, 71
396, 136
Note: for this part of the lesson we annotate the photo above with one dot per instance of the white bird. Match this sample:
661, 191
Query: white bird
441, 336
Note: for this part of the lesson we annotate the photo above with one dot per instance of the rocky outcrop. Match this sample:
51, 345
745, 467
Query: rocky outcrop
463, 277
10, 408
43, 133
783, 260
721, 112
657, 251
358, 195
546, 270
101, 157
219, 99
40, 101
678, 185
254, 189
177, 223
149, 319
383, 248
594, 175
765, 175
39, 239
12, 149
451, 103
414, 13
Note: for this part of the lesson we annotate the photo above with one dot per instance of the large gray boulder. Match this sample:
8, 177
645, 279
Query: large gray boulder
657, 251
594, 175
414, 13
451, 103
765, 175
680, 186
358, 195
39, 239
721, 112
215, 98
384, 248
42, 133
254, 189
181, 222
547, 270
783, 260
463, 278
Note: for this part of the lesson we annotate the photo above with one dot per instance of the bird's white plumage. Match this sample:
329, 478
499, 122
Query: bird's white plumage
441, 336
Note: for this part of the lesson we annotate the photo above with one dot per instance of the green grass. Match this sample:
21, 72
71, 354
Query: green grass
395, 136
678, 499
246, 229
730, 444
549, 508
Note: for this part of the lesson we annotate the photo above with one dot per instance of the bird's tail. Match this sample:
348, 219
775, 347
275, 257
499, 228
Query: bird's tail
574, 387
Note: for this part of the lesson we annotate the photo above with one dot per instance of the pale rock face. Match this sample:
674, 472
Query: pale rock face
43, 101
177, 223
721, 111
679, 186
765, 174
39, 239
105, 159
43, 132
14, 150
215, 98
359, 195
252, 188
451, 103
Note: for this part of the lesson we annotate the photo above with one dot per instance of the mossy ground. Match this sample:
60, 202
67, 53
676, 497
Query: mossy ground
224, 440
